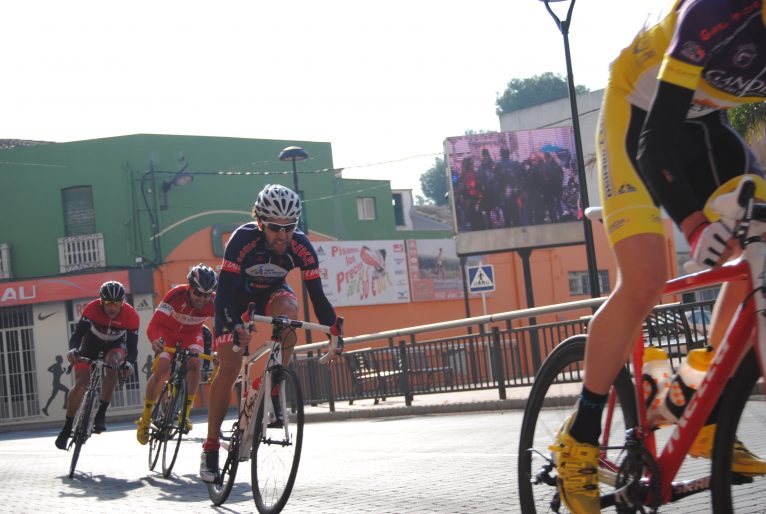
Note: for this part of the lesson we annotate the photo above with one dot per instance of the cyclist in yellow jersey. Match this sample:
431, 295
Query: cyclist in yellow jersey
663, 140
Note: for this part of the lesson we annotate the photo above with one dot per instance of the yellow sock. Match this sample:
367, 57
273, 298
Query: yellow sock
148, 408
189, 403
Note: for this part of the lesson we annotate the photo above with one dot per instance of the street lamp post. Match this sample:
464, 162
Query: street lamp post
296, 153
590, 250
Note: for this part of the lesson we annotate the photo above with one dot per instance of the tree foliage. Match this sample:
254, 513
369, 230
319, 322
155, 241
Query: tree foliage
434, 182
523, 93
747, 118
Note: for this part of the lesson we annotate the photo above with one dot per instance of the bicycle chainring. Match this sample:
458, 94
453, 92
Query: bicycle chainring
638, 479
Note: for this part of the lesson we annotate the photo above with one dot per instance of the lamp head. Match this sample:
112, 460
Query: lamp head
293, 153
182, 178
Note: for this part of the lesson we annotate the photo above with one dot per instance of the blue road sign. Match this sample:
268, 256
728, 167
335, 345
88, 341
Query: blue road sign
481, 279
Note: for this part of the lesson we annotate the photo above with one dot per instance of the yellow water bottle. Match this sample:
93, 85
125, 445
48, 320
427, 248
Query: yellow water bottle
656, 380
687, 379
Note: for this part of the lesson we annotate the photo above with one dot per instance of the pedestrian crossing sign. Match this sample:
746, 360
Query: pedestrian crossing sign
481, 279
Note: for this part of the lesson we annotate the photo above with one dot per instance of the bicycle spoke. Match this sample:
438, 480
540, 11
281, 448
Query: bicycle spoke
276, 451
551, 399
219, 492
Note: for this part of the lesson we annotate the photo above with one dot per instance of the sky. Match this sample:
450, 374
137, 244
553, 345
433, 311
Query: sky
384, 82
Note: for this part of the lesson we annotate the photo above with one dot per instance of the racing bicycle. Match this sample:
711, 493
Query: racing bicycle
82, 427
168, 422
636, 472
269, 428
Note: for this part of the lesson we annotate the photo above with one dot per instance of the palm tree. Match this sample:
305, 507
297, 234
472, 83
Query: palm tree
750, 121
748, 118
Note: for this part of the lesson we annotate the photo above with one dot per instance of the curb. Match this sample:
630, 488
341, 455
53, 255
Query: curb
416, 410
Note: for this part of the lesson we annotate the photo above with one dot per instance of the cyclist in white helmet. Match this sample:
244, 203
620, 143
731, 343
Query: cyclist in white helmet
258, 257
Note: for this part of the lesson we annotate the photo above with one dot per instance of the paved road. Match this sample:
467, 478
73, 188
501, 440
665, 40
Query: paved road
433, 463
430, 463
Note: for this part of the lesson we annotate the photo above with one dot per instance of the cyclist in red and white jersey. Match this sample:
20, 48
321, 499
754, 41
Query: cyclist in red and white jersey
108, 325
663, 141
178, 319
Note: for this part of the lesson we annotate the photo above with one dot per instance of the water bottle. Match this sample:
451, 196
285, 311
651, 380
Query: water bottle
248, 401
656, 380
688, 378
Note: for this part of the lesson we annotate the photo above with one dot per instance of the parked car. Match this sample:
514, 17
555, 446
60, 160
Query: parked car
699, 322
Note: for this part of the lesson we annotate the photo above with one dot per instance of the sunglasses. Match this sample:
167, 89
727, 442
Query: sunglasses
276, 227
108, 303
200, 295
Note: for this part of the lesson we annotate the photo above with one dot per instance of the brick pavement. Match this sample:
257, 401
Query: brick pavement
384, 458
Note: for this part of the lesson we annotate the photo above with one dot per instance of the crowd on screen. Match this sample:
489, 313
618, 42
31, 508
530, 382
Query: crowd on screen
542, 188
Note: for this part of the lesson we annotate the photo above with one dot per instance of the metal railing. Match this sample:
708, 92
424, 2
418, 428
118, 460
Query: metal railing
5, 261
498, 356
81, 252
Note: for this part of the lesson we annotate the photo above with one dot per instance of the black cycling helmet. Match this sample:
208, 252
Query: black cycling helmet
112, 291
202, 278
277, 201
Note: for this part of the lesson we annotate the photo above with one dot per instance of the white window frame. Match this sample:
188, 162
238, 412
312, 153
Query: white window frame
365, 208
579, 282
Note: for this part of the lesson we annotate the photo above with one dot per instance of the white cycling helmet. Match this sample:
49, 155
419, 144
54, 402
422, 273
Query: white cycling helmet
276, 201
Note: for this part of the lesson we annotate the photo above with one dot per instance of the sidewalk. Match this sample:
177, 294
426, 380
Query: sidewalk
437, 403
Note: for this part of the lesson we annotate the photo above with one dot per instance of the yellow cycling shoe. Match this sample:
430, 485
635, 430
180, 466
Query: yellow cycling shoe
743, 460
189, 425
142, 432
577, 467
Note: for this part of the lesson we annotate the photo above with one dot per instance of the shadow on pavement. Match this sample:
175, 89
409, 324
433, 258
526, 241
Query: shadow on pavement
104, 488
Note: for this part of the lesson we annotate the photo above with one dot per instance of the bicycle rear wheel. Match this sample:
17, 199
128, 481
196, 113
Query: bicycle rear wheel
82, 428
554, 392
157, 426
277, 452
175, 425
219, 492
741, 416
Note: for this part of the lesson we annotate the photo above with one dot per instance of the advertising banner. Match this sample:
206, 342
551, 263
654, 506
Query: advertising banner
363, 272
434, 269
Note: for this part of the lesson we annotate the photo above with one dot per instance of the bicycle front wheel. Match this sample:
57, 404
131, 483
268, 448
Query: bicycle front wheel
556, 387
219, 492
82, 428
277, 450
741, 417
157, 430
175, 425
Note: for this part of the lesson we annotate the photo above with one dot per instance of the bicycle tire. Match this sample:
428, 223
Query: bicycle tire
175, 434
219, 492
81, 429
732, 410
555, 387
156, 427
276, 454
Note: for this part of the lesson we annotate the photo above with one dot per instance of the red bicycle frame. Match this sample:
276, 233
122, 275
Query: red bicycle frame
729, 353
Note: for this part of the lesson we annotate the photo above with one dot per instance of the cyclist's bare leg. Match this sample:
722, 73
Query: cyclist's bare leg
81, 377
616, 326
193, 375
229, 364
285, 305
729, 299
158, 378
115, 358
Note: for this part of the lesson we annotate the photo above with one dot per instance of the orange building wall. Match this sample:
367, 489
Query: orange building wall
549, 268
